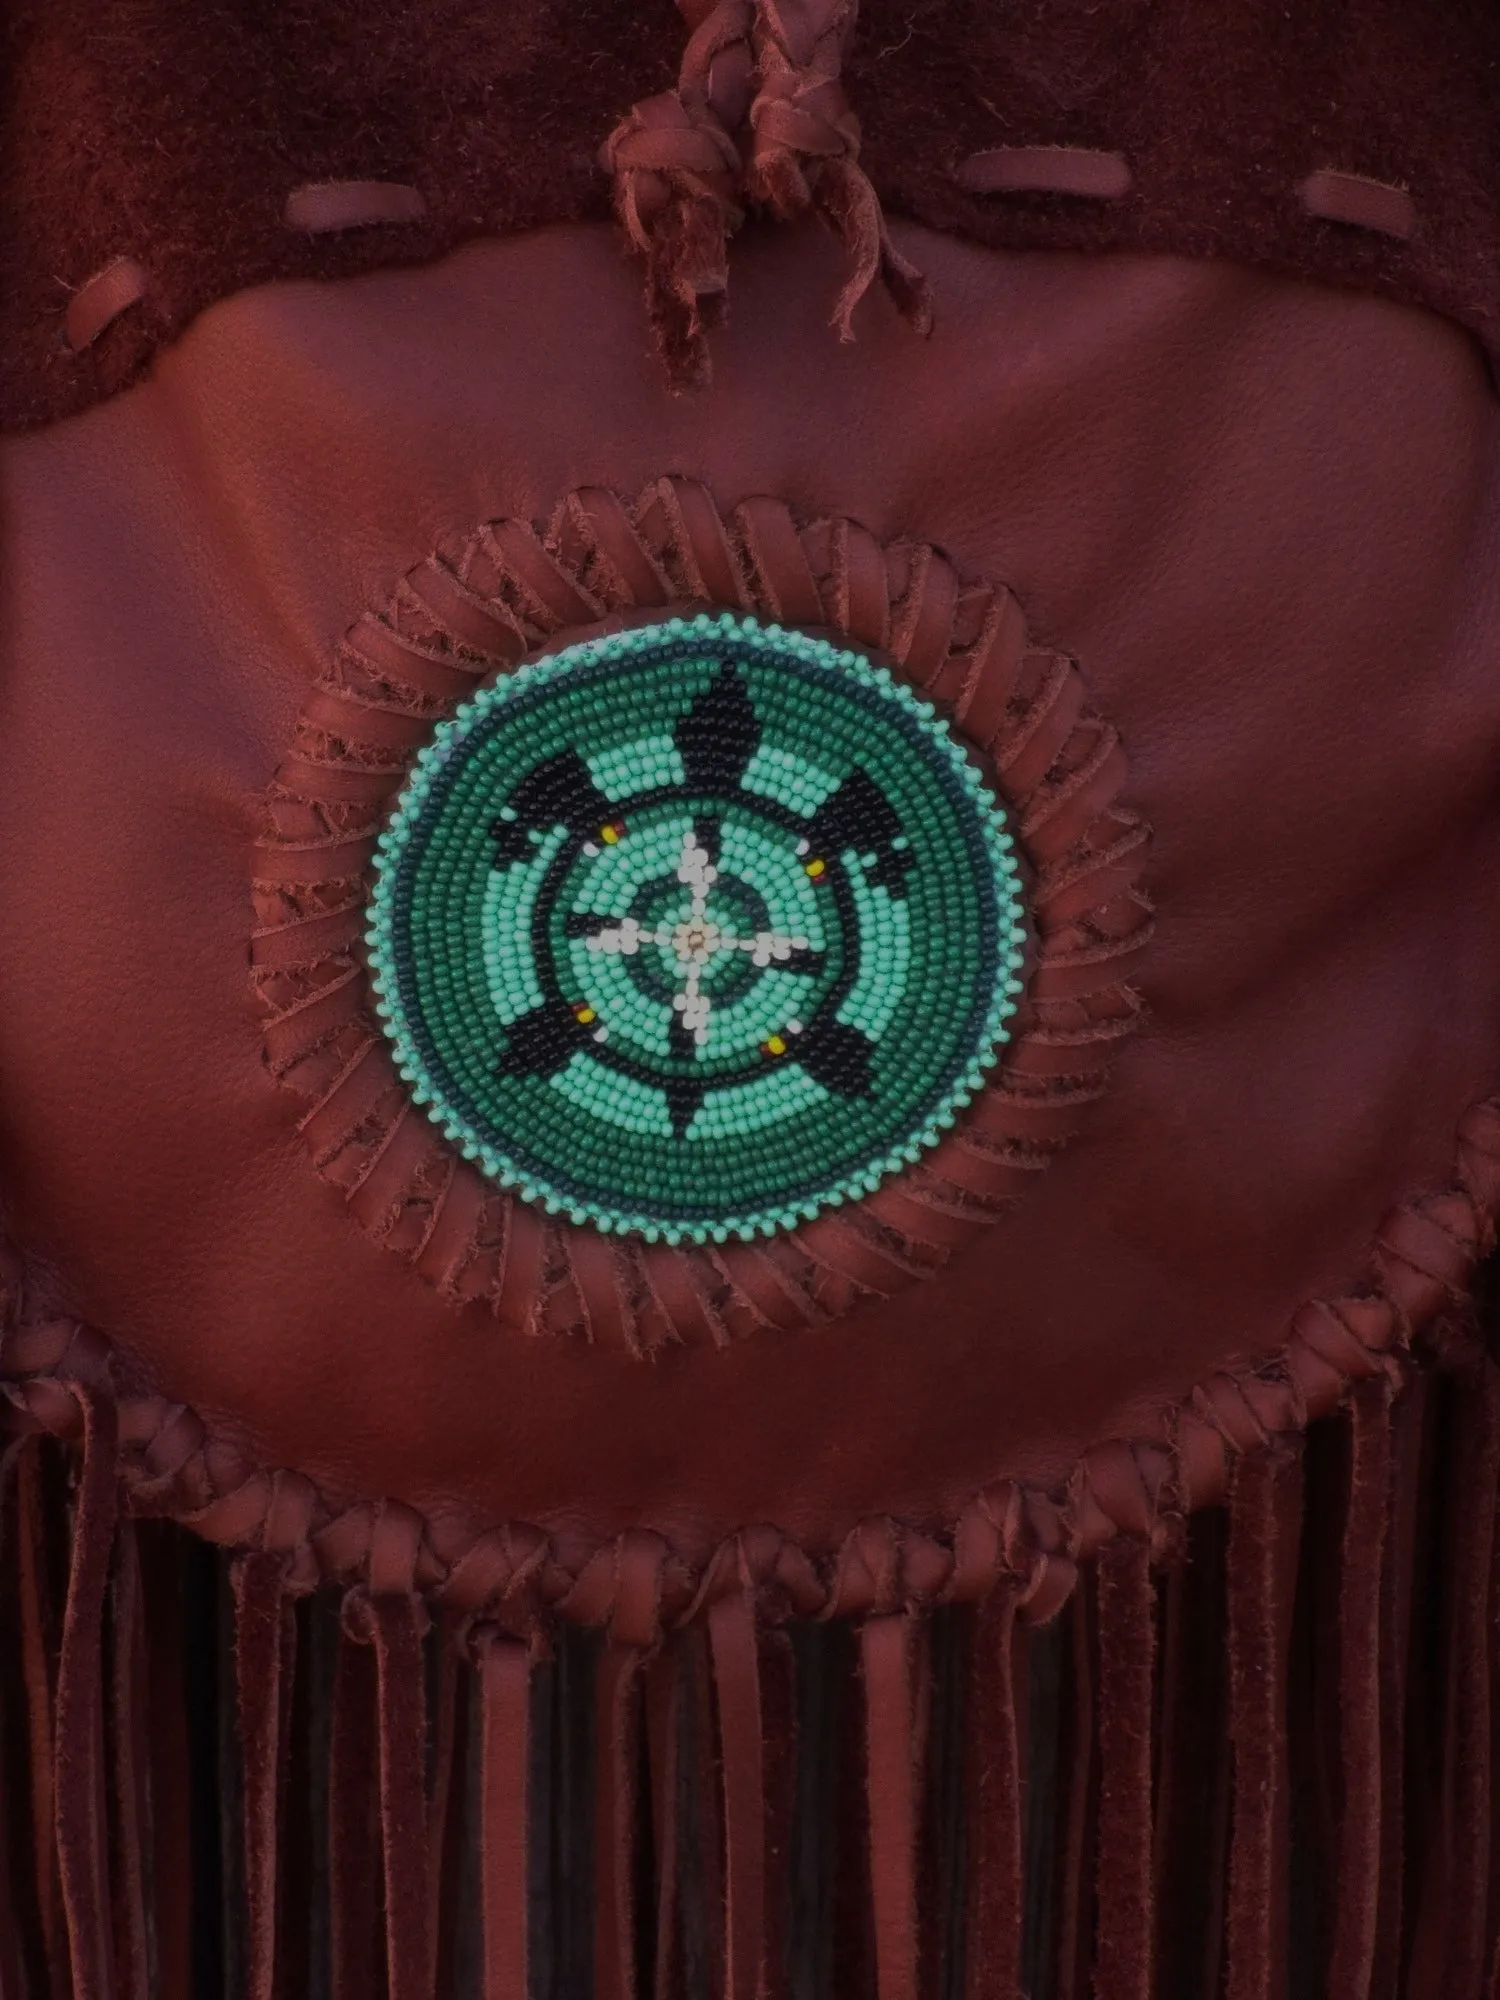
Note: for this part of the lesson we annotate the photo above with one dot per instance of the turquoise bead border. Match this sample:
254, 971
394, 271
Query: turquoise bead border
753, 636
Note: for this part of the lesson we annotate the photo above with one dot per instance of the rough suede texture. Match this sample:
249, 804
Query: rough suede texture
172, 130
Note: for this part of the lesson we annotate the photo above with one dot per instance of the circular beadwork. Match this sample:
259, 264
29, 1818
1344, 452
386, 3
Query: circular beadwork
696, 929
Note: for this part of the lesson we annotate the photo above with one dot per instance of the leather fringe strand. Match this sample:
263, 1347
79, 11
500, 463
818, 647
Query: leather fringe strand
758, 118
1263, 1744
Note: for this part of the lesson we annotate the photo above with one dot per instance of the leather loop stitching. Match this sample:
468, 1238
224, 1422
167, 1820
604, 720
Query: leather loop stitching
100, 300
1057, 764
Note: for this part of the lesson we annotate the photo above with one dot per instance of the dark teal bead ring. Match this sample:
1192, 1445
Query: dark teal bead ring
696, 930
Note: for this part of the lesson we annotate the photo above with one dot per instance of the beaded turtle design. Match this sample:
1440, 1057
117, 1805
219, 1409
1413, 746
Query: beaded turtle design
696, 929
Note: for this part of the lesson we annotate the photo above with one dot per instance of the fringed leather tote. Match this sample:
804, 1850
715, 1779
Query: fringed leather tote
748, 1048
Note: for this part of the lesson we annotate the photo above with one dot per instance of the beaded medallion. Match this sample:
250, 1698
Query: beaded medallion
695, 929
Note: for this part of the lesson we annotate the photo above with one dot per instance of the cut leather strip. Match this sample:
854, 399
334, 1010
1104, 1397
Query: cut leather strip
340, 784
1362, 203
376, 647
1396, 1620
130, 1826
903, 1208
487, 628
264, 1659
40, 1641
299, 865
448, 1837
1035, 1118
1356, 1907
597, 1269
992, 1804
922, 625
676, 1293
1063, 1052
861, 597
804, 154
984, 701
310, 940
886, 1646
1451, 1954
776, 1665
602, 514
702, 543
775, 1296
18, 1927
353, 1835
78, 1749
1075, 170
100, 300
1054, 820
1193, 1775
297, 1031
29, 1899
1025, 758
397, 1623
381, 1186
664, 1701
450, 1237
559, 597
320, 208
522, 1259
843, 1249
339, 712
991, 1176
1109, 865
504, 1697
1124, 1961
737, 1694
348, 1101
1077, 1784
167, 1778
775, 549
1265, 1518
1074, 975
617, 1793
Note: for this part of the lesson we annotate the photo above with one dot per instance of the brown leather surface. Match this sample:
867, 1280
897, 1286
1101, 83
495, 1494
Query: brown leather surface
1262, 516
174, 134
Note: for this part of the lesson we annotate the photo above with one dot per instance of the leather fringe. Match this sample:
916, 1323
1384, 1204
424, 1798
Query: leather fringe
397, 1628
992, 1944
78, 1753
889, 1653
353, 1825
1265, 1518
616, 1824
1123, 1959
1251, 1763
504, 1671
742, 1753
265, 1660
126, 1721
1363, 1770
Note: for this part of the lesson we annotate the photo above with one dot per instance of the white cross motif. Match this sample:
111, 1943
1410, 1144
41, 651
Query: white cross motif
695, 941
